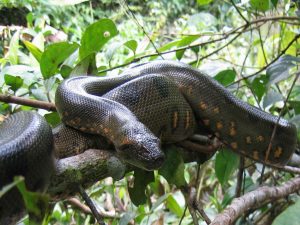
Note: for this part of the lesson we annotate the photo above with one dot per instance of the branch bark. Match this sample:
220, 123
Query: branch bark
255, 199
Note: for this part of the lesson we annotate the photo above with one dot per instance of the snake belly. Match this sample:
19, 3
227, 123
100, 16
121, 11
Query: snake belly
103, 106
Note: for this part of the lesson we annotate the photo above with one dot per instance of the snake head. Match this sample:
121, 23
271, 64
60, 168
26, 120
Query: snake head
142, 151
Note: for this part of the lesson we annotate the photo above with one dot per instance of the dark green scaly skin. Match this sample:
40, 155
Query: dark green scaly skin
190, 98
158, 100
26, 148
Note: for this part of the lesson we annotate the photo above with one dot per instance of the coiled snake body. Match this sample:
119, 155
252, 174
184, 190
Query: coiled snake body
166, 101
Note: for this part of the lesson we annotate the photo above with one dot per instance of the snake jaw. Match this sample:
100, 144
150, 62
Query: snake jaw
146, 155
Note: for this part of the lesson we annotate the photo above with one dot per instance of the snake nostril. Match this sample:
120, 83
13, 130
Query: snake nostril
159, 160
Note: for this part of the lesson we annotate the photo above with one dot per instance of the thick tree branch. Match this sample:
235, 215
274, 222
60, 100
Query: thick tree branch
255, 199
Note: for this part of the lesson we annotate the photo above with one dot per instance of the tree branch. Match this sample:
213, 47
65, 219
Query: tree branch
28, 102
255, 199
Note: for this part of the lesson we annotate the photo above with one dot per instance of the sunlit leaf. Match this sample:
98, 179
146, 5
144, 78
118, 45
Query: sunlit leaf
13, 48
96, 35
132, 45
53, 118
54, 55
260, 5
204, 2
35, 51
185, 42
258, 86
173, 205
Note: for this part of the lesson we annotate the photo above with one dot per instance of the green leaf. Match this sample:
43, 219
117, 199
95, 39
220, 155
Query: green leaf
86, 66
271, 98
96, 35
132, 45
226, 163
279, 70
54, 55
35, 51
141, 179
173, 167
203, 2
13, 48
53, 118
258, 86
15, 82
174, 206
36, 203
274, 2
166, 47
8, 187
260, 5
185, 42
65, 71
225, 77
289, 216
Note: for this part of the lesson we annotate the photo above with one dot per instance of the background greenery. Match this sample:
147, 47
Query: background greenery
250, 46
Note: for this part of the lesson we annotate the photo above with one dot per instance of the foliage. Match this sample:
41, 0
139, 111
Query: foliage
251, 47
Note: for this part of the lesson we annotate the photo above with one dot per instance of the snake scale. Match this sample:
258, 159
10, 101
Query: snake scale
160, 101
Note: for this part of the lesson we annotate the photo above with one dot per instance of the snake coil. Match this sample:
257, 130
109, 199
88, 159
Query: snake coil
160, 101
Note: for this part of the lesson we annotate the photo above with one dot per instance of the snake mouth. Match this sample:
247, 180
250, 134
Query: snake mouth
142, 158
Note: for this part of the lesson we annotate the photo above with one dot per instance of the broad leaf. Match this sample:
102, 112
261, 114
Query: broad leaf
96, 35
185, 42
15, 82
173, 167
54, 55
203, 2
132, 45
225, 77
258, 86
260, 5
35, 51
280, 70
141, 179
226, 163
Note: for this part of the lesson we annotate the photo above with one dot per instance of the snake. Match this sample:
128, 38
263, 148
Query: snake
145, 106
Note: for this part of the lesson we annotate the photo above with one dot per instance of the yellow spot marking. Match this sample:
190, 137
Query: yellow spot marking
232, 131
203, 105
216, 110
234, 145
82, 129
260, 138
77, 120
206, 122
219, 125
175, 119
278, 152
92, 129
188, 119
106, 130
190, 90
255, 155
248, 140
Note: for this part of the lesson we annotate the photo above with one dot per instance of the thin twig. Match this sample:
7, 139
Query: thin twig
91, 205
239, 12
272, 62
28, 102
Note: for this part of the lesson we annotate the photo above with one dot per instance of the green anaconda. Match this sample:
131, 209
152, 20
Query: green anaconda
159, 101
